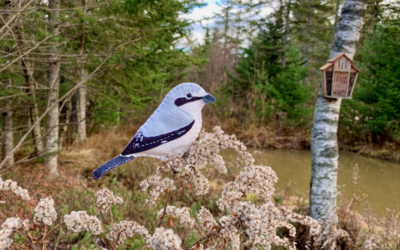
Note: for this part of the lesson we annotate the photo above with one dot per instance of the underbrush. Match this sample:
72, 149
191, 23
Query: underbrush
75, 190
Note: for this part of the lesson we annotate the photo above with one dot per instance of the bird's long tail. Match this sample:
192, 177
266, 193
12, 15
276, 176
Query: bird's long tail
113, 163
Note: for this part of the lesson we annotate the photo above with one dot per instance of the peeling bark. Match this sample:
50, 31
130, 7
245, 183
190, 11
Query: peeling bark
53, 83
324, 146
8, 137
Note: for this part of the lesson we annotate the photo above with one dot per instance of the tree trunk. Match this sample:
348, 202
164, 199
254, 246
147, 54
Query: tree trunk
53, 83
286, 34
64, 128
8, 137
324, 146
81, 96
81, 109
27, 67
336, 16
308, 37
33, 108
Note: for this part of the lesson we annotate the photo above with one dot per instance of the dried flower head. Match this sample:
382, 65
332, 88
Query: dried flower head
206, 220
259, 221
9, 225
106, 198
45, 212
81, 221
119, 232
329, 236
165, 239
370, 244
159, 186
181, 213
12, 186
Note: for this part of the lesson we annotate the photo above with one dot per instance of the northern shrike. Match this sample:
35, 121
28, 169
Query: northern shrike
170, 130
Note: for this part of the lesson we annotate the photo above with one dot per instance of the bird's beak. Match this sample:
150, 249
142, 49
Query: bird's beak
208, 98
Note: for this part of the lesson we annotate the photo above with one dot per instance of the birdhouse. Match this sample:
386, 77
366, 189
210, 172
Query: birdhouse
339, 76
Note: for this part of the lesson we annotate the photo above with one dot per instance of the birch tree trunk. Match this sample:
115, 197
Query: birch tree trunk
8, 137
53, 83
324, 146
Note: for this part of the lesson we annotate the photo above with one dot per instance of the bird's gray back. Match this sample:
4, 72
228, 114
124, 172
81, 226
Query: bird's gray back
168, 117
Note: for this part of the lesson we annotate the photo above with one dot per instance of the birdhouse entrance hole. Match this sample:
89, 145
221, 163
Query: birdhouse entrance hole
338, 77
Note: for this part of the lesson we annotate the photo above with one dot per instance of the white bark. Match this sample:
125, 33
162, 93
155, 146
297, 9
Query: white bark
53, 83
324, 146
8, 137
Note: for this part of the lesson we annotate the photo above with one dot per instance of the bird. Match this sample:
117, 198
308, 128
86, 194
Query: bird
170, 130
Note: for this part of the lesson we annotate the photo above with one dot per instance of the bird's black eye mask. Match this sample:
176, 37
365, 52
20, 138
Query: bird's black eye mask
183, 100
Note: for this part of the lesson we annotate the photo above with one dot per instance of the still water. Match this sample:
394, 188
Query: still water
379, 180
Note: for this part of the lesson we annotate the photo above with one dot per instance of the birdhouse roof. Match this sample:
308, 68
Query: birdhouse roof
333, 59
326, 66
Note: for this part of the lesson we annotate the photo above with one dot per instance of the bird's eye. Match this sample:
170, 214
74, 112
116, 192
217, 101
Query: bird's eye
189, 95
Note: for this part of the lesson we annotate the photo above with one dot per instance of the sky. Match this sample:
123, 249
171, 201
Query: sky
200, 14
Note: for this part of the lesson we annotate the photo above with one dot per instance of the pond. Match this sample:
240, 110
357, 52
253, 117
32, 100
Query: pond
379, 180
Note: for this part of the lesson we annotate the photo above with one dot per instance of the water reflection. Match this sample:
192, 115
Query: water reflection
379, 180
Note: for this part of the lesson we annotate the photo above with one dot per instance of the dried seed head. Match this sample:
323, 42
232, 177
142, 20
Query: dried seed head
106, 198
45, 212
80, 221
12, 186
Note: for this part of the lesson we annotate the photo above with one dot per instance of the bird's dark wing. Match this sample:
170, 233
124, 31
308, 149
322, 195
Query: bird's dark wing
140, 142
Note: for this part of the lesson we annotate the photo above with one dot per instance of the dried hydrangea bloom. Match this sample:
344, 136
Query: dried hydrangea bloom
45, 212
7, 228
158, 186
119, 232
12, 186
206, 219
165, 239
182, 213
80, 221
105, 198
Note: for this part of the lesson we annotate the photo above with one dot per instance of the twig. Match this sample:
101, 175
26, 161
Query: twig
160, 222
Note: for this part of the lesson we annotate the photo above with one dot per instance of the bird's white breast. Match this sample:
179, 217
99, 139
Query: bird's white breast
177, 146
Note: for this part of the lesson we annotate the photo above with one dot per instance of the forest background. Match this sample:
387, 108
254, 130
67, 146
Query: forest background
72, 68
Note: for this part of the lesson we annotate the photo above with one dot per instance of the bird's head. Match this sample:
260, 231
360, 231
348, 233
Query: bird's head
190, 97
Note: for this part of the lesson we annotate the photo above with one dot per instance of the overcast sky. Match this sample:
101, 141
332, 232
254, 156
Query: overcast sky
199, 14
211, 8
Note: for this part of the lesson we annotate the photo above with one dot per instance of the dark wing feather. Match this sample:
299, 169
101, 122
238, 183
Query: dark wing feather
140, 143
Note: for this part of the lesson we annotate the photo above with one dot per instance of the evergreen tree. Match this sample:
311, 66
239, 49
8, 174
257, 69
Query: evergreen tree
372, 116
260, 78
